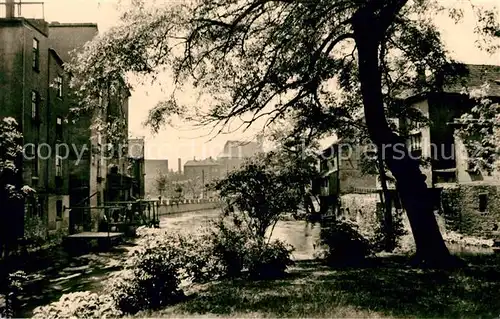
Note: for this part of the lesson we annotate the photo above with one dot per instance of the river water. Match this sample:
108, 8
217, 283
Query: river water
70, 274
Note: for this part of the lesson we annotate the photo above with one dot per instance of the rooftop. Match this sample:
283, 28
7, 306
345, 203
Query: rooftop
478, 75
240, 149
205, 162
56, 24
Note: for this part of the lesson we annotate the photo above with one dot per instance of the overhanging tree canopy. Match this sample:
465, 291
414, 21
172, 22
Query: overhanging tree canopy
281, 58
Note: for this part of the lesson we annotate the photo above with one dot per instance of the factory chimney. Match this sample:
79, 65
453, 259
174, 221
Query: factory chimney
9, 9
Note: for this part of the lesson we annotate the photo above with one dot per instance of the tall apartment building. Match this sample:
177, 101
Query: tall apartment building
34, 90
95, 177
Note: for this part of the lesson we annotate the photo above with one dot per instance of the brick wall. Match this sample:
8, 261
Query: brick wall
462, 209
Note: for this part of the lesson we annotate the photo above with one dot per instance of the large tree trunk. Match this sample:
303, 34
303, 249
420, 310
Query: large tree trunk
368, 31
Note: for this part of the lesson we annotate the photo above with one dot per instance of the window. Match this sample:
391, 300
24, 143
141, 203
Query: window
58, 166
98, 171
416, 142
59, 209
483, 202
59, 129
35, 105
36, 54
59, 86
34, 169
324, 182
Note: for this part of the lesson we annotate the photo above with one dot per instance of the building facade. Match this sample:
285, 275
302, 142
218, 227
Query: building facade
235, 153
60, 160
33, 90
468, 198
154, 168
100, 168
200, 173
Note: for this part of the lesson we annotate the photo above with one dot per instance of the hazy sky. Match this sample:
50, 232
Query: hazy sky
186, 142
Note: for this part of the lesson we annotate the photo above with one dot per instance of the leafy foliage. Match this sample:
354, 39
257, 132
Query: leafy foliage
79, 305
479, 131
344, 243
253, 54
238, 249
267, 186
397, 231
12, 289
150, 279
10, 150
268, 260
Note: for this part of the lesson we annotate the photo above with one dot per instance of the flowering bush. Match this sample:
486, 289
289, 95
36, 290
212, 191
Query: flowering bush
193, 253
79, 305
150, 279
35, 230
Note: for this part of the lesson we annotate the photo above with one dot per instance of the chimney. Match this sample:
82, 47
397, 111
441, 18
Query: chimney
179, 165
9, 9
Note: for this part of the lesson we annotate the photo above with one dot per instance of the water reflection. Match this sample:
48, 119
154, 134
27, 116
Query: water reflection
301, 235
460, 249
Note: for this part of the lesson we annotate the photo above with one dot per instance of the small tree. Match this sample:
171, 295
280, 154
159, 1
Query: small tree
480, 132
11, 195
267, 186
161, 183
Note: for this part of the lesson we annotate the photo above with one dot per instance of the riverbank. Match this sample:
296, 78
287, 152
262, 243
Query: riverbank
262, 299
386, 287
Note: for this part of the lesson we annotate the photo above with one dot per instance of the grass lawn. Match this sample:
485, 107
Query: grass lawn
388, 288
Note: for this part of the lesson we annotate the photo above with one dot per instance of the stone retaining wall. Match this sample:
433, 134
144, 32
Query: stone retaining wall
462, 211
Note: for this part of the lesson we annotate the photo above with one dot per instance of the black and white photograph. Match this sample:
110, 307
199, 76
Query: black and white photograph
249, 159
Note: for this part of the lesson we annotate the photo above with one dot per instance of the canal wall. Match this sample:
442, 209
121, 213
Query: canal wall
189, 205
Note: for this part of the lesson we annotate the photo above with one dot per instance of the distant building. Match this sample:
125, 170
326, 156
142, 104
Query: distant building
341, 173
152, 169
235, 153
200, 173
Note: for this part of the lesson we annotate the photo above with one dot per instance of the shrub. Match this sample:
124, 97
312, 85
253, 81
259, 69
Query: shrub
265, 261
343, 242
11, 287
199, 263
229, 246
79, 305
150, 279
378, 240
238, 250
194, 253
